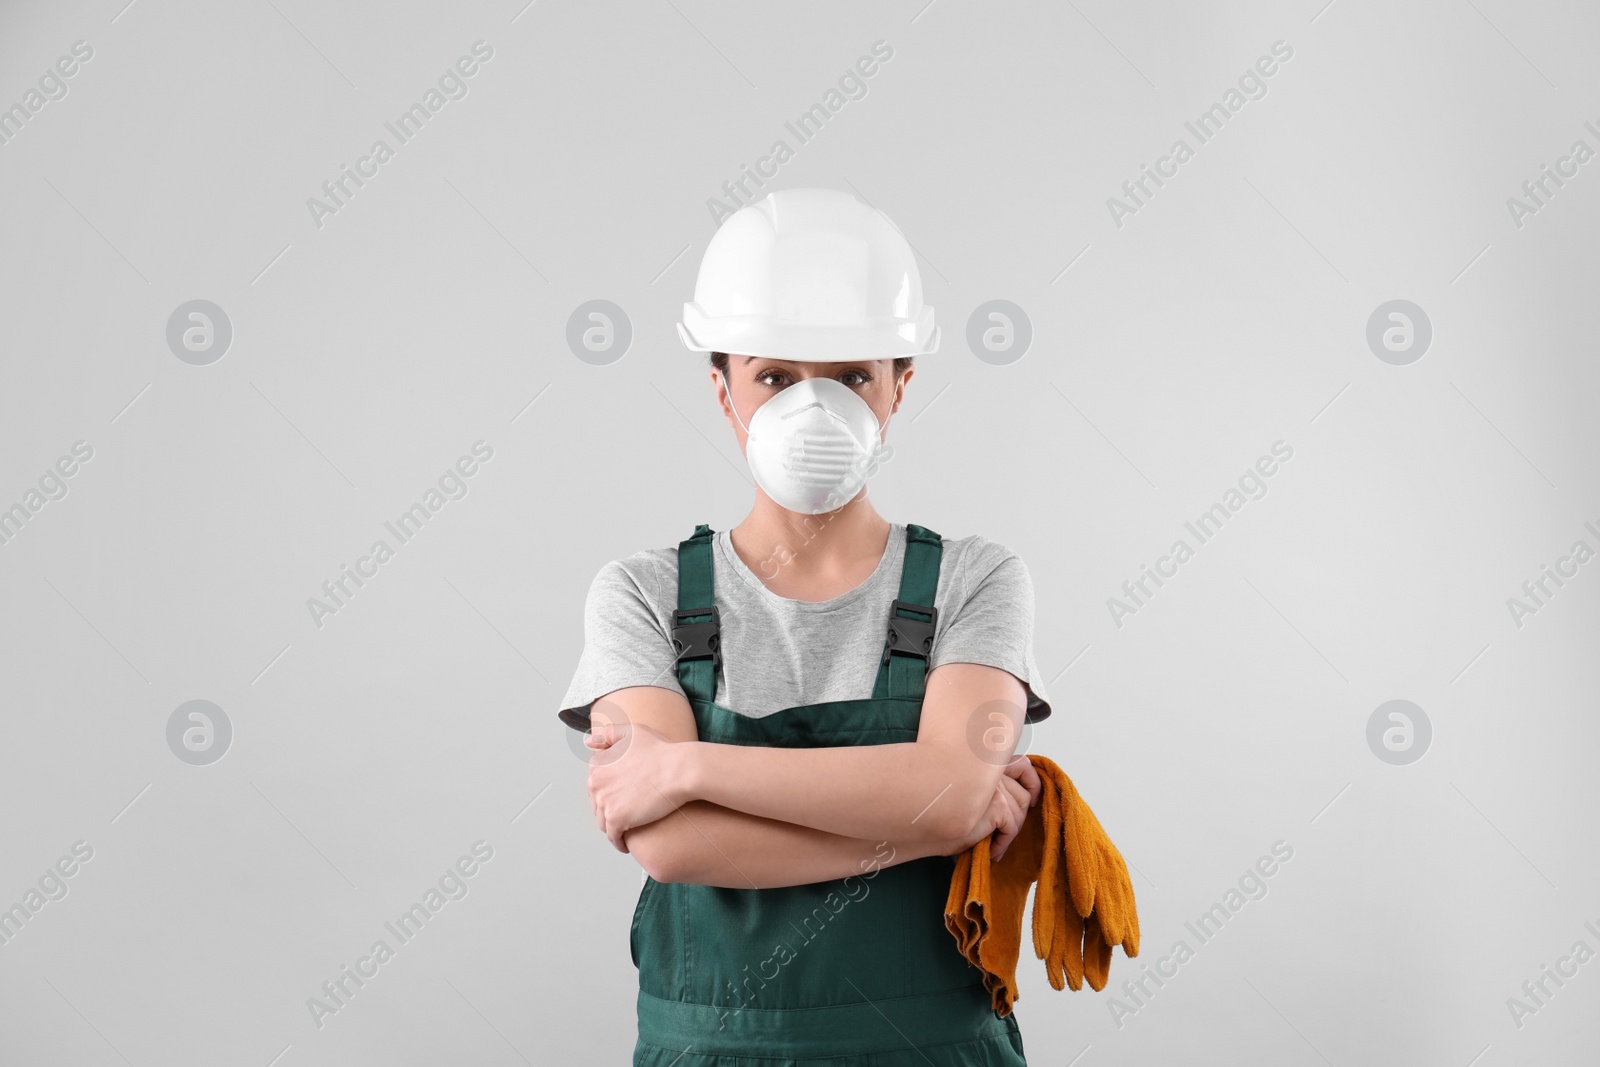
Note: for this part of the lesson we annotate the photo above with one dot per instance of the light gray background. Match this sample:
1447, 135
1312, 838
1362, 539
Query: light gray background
429, 313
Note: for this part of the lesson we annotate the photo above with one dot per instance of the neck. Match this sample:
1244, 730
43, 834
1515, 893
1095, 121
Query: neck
811, 546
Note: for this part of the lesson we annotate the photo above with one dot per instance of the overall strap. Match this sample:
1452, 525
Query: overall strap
698, 644
903, 668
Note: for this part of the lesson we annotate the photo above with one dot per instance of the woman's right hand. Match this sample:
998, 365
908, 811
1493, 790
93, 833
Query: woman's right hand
1007, 808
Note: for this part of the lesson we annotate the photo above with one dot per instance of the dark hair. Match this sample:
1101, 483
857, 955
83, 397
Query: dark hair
719, 360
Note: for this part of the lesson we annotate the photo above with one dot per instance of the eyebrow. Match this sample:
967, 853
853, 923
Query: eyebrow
751, 359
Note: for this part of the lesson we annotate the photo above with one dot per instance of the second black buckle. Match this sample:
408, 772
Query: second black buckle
911, 636
697, 640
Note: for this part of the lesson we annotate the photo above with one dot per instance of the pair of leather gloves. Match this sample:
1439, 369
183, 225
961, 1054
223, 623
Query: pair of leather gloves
1083, 907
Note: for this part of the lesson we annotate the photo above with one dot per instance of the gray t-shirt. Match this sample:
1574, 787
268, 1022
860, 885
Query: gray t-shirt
779, 653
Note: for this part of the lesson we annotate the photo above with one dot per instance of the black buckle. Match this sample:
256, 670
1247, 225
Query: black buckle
911, 636
697, 640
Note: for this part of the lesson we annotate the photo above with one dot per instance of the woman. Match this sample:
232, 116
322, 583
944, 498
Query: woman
798, 723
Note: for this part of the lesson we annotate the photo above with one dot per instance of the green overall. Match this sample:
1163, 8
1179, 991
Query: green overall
852, 971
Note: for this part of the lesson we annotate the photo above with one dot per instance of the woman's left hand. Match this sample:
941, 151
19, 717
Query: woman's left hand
1027, 776
1025, 788
633, 777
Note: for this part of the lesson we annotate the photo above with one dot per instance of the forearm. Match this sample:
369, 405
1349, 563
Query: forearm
903, 792
709, 844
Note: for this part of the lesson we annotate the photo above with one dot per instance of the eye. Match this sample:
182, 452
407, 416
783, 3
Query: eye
774, 378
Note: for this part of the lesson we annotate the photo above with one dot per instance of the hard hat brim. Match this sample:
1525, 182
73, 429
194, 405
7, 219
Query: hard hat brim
759, 335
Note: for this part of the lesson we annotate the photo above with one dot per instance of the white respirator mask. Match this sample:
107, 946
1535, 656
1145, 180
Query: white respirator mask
813, 445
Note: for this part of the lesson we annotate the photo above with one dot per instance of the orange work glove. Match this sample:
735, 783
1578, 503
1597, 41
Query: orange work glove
1084, 904
1102, 910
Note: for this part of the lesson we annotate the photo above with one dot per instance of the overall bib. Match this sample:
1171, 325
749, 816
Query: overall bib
851, 971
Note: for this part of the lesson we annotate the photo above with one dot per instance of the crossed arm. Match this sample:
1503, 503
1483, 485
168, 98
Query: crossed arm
757, 817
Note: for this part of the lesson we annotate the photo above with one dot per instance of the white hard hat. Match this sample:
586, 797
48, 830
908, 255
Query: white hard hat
812, 275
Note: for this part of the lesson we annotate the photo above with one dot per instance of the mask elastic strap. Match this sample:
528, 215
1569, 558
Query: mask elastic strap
726, 384
885, 427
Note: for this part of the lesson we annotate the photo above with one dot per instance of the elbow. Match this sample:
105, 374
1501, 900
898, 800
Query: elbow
948, 818
654, 850
946, 826
959, 821
964, 804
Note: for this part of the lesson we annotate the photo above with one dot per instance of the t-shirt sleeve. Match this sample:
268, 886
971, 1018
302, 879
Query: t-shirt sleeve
625, 642
993, 624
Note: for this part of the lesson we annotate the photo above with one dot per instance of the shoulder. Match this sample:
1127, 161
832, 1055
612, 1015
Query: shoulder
974, 560
646, 582
647, 569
